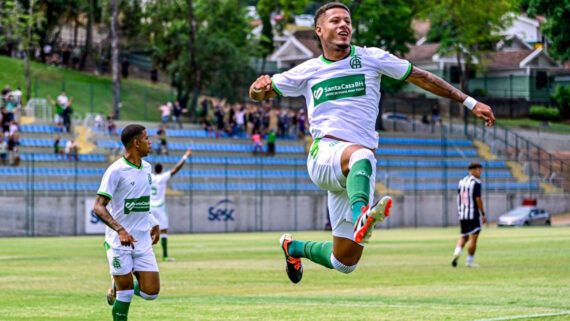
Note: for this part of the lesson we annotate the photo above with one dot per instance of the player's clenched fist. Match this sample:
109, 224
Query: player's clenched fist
263, 83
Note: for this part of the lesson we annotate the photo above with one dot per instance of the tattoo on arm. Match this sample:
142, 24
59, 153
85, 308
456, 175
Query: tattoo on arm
101, 211
434, 84
479, 202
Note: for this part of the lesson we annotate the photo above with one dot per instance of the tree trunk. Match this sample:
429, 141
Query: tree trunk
27, 51
89, 37
193, 65
115, 58
75, 27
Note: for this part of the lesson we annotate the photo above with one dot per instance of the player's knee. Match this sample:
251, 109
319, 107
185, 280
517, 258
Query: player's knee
341, 267
361, 154
147, 296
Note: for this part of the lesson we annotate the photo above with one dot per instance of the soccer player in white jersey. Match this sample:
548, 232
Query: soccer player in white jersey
342, 91
131, 228
471, 214
158, 199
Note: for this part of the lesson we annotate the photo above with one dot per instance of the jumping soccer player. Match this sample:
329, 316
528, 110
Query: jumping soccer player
158, 199
131, 228
471, 213
342, 91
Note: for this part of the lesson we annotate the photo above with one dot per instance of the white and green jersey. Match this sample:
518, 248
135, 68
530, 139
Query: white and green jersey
158, 188
128, 187
342, 96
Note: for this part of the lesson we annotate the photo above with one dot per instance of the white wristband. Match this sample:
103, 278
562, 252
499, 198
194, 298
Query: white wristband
257, 91
184, 157
470, 102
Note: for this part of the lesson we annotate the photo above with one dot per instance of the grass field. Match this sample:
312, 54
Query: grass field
405, 274
139, 99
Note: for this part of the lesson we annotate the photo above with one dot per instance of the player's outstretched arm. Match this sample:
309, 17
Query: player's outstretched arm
100, 209
434, 84
262, 88
181, 162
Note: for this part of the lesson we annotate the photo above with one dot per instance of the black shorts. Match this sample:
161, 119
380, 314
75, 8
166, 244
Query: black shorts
469, 227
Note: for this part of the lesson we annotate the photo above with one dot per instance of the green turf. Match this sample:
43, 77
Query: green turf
90, 93
405, 274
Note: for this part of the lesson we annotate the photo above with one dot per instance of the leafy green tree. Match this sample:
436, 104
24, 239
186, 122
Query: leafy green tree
202, 45
557, 25
468, 29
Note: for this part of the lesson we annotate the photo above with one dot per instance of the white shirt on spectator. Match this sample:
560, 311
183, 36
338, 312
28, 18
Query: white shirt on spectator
62, 100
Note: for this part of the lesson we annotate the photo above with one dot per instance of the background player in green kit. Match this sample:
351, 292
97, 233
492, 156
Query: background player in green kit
131, 228
342, 91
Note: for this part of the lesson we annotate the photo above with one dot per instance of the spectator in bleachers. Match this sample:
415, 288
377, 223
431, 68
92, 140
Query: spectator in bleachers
282, 122
165, 113
177, 111
302, 119
435, 117
271, 135
208, 128
18, 96
111, 127
72, 150
58, 112
240, 120
5, 120
256, 138
57, 148
98, 122
219, 114
161, 136
11, 107
67, 111
13, 128
13, 143
3, 149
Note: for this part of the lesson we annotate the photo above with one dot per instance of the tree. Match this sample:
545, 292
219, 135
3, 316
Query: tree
202, 45
115, 56
17, 20
468, 29
557, 26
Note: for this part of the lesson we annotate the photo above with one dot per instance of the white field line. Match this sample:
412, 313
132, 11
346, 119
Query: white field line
514, 317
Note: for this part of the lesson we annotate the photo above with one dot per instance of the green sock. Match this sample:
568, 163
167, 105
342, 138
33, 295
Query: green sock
358, 186
318, 252
120, 310
137, 287
164, 243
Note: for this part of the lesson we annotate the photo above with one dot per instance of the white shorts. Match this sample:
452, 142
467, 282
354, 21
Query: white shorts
324, 166
124, 261
161, 215
58, 118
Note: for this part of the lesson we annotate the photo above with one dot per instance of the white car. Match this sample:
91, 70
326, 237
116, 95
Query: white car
524, 216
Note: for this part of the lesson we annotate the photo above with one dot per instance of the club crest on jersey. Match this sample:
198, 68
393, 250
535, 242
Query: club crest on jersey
355, 62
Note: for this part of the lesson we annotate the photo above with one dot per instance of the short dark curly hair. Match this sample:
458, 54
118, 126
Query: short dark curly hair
331, 5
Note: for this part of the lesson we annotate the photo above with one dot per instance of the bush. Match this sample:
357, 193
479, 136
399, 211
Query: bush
562, 98
544, 113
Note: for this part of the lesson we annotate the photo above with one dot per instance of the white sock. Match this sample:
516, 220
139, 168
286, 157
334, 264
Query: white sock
458, 250
125, 295
163, 236
339, 266
470, 258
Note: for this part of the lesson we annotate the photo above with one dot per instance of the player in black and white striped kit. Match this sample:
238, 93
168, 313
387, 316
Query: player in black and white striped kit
471, 213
